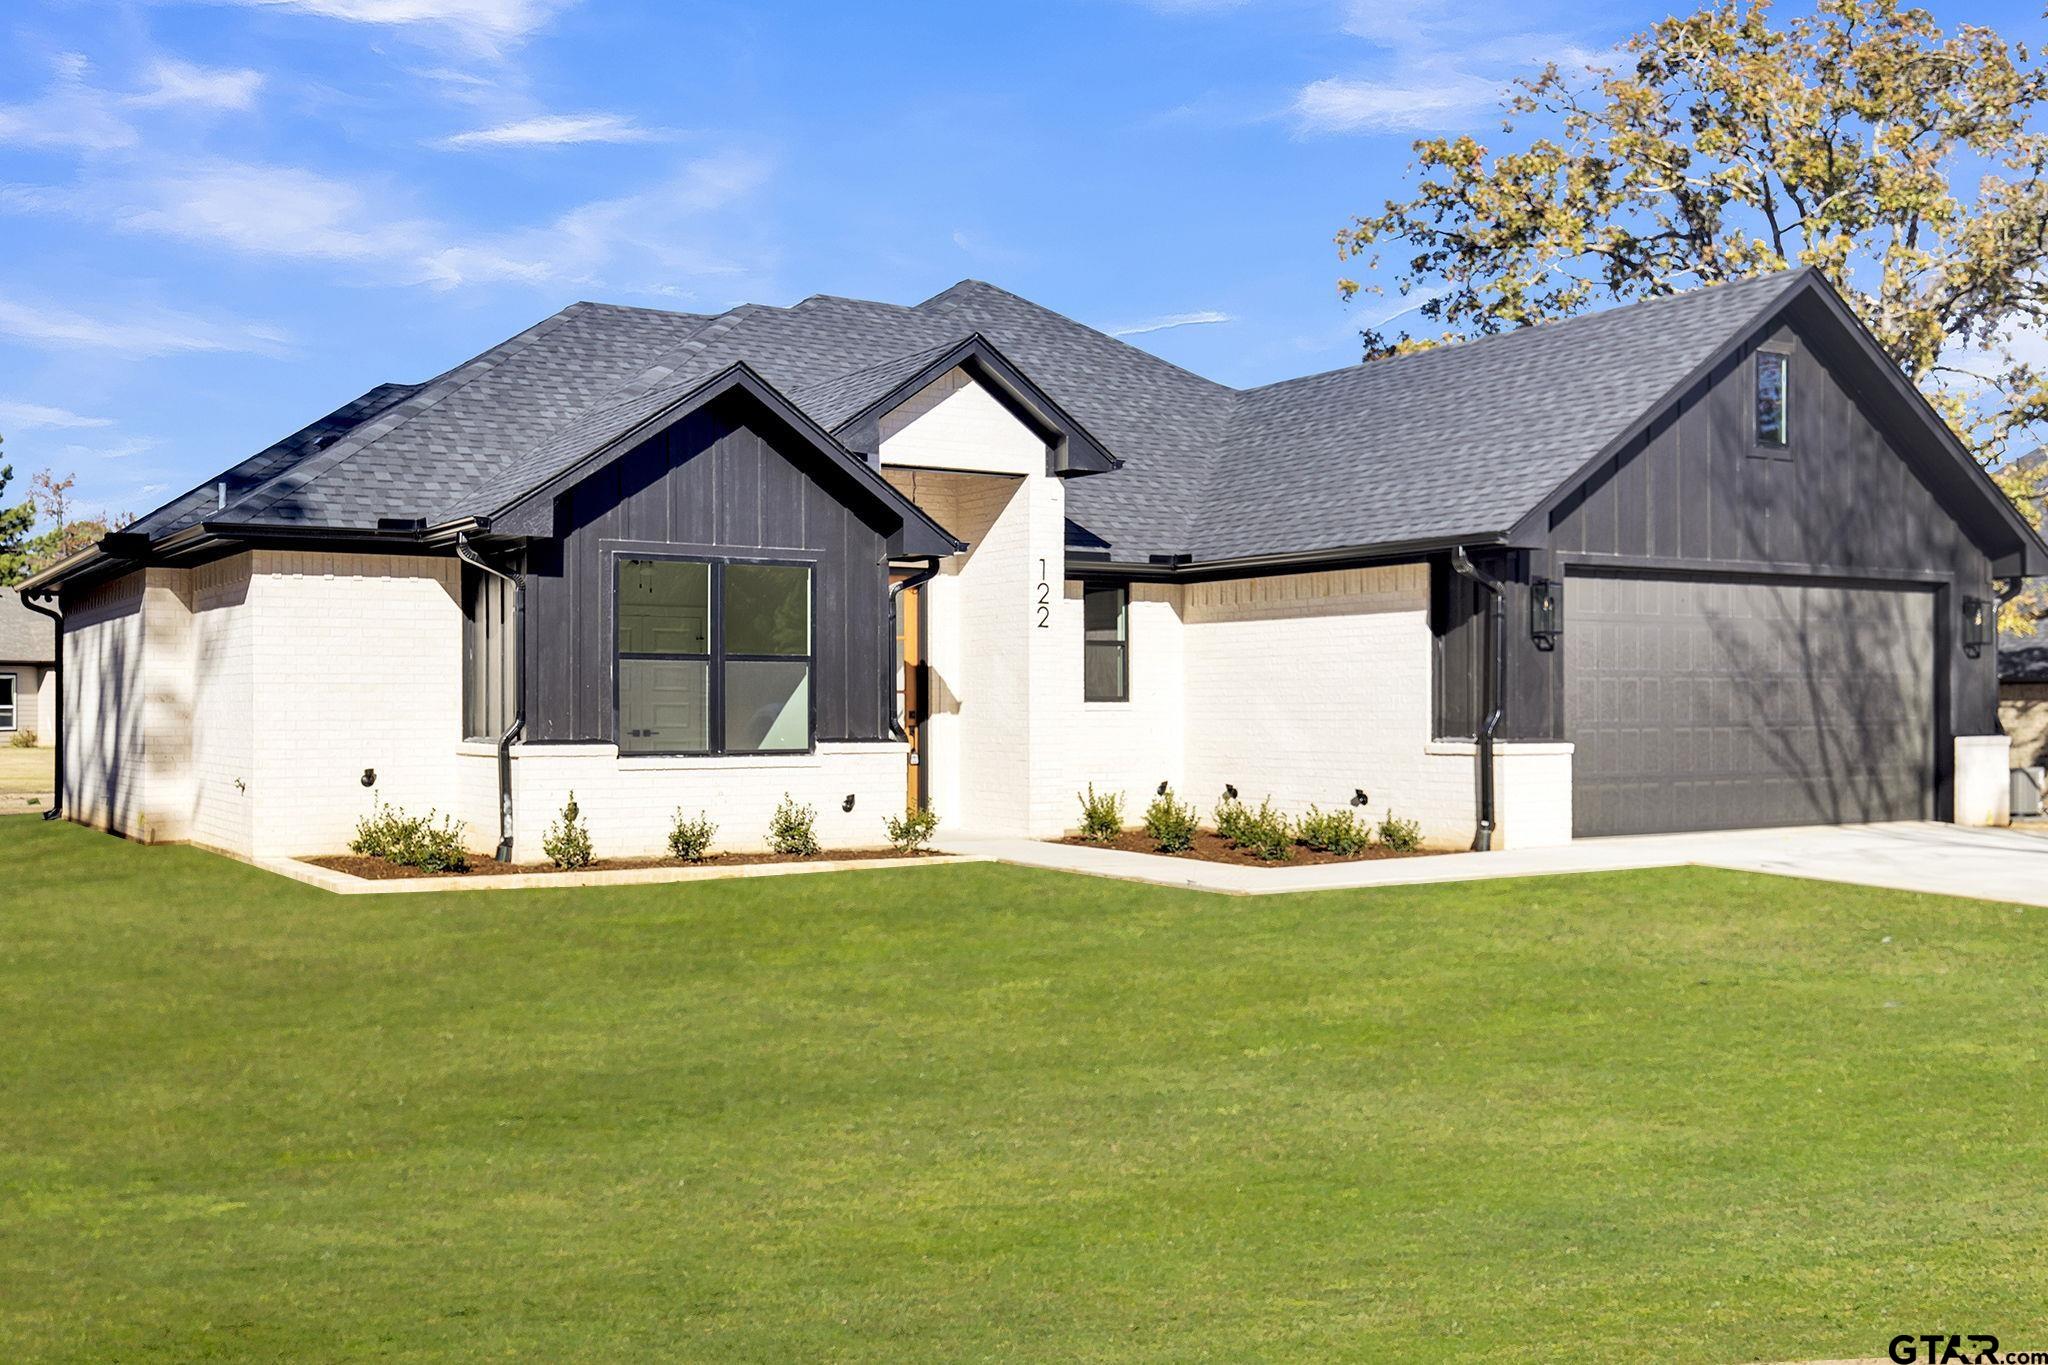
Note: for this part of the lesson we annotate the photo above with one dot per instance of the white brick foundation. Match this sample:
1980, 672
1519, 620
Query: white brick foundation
630, 803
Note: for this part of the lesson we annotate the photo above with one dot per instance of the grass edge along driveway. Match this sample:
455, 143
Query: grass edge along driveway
975, 1110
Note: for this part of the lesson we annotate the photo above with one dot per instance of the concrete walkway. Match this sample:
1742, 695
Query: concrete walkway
1991, 864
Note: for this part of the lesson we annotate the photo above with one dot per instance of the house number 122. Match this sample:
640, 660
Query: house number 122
1044, 599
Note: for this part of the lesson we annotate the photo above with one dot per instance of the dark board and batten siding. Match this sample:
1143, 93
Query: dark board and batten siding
1695, 495
729, 479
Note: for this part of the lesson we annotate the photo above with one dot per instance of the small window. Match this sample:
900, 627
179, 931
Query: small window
713, 657
8, 715
1773, 373
1106, 642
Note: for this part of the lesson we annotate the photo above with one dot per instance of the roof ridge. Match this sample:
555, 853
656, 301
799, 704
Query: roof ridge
1783, 278
944, 299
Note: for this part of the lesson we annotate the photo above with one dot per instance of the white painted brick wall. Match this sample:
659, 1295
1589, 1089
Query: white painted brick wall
224, 704
629, 803
1306, 687
102, 644
956, 423
1125, 747
358, 665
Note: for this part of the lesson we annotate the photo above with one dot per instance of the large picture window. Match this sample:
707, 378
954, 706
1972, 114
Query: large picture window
1106, 642
714, 657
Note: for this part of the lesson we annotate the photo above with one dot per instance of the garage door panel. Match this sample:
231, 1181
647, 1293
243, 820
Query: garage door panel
1726, 703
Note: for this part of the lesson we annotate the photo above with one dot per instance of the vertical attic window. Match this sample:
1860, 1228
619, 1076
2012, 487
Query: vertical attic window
1773, 376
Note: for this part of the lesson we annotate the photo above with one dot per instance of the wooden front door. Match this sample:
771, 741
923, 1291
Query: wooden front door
912, 689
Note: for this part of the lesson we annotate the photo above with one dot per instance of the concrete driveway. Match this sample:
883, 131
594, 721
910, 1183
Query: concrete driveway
1991, 864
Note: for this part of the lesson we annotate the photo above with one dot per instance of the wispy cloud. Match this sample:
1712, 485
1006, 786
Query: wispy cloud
143, 333
16, 416
290, 213
74, 114
1427, 65
174, 82
646, 239
119, 450
555, 130
1416, 98
1207, 317
479, 23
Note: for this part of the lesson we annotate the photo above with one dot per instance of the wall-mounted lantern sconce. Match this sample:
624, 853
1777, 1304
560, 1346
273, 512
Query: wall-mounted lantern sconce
1546, 612
1976, 625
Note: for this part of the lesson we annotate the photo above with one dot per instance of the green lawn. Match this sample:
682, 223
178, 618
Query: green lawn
974, 1111
24, 773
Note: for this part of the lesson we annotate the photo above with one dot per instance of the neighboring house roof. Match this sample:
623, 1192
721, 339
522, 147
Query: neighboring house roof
1460, 442
26, 637
2022, 660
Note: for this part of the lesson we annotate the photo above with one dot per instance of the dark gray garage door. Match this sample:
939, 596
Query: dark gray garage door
1700, 703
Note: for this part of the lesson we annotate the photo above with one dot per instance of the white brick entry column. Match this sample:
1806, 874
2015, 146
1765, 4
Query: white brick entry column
1983, 788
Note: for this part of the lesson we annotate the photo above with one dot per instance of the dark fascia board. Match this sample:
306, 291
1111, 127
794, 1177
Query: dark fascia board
917, 535
1075, 450
1180, 570
2027, 557
203, 542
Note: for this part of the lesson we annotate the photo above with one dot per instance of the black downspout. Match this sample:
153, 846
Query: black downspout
1495, 677
916, 580
467, 553
57, 799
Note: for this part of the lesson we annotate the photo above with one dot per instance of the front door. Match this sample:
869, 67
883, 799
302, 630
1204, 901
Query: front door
911, 688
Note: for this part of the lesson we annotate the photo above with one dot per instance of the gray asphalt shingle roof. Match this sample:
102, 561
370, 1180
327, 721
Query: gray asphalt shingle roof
26, 637
1457, 441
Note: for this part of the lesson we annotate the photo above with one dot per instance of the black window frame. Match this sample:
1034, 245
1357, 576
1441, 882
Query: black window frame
1783, 359
13, 682
1123, 646
717, 658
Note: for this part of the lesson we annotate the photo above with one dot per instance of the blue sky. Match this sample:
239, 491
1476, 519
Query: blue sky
220, 220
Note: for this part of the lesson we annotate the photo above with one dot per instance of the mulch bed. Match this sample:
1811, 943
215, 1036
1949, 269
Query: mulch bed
1211, 847
377, 869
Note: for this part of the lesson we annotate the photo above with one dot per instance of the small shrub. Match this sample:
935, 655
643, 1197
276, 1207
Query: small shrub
1170, 824
23, 739
1231, 816
1336, 831
568, 840
1399, 836
912, 830
1102, 816
1266, 833
423, 841
793, 829
690, 840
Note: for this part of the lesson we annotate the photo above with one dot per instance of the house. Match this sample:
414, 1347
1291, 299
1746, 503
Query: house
28, 679
1700, 562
